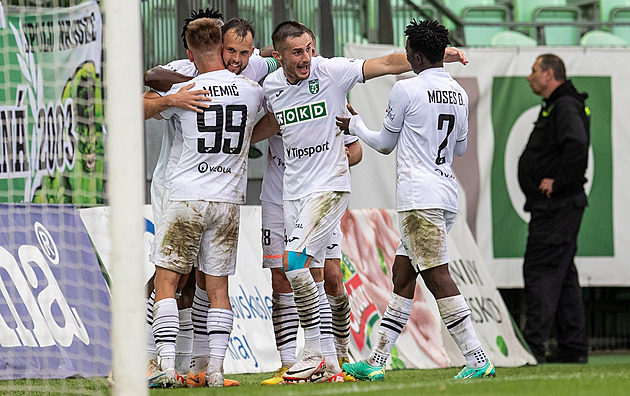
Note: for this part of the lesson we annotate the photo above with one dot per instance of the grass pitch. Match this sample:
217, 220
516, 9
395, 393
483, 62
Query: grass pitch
604, 375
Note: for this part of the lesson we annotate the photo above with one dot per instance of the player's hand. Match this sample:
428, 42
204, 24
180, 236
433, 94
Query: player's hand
453, 54
344, 122
546, 187
186, 99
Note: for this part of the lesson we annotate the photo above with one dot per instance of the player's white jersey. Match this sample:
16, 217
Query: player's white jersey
313, 145
271, 190
257, 68
431, 113
213, 162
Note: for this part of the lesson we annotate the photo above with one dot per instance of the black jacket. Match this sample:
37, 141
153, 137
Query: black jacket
557, 147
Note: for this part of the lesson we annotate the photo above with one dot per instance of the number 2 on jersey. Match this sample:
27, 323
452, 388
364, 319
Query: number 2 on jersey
221, 143
450, 118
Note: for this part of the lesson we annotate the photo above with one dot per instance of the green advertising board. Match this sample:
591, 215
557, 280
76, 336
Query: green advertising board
51, 105
514, 109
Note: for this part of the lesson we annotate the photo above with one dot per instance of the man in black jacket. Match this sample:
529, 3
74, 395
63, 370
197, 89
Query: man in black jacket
551, 175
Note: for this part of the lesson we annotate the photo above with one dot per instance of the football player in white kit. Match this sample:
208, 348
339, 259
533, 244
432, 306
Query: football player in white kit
207, 186
238, 37
427, 117
303, 98
285, 316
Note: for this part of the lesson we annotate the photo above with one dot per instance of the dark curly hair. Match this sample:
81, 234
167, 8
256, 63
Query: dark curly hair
207, 13
428, 37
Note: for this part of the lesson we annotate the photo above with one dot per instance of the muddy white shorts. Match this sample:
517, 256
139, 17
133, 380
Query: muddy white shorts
333, 249
272, 234
424, 234
311, 221
206, 231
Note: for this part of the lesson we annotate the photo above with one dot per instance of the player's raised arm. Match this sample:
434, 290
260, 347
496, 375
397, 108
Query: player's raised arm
388, 64
184, 99
397, 63
454, 54
161, 79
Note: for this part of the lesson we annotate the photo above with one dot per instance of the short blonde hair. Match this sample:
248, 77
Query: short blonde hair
203, 34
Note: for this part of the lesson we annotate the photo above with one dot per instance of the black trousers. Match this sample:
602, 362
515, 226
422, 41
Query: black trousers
552, 291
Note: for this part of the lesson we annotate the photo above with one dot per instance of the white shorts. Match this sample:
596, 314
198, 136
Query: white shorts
272, 234
310, 222
159, 198
273, 237
424, 234
207, 231
333, 249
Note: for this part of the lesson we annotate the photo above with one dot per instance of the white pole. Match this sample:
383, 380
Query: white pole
125, 187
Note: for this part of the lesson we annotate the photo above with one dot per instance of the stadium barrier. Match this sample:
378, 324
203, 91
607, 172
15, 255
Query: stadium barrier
54, 303
370, 240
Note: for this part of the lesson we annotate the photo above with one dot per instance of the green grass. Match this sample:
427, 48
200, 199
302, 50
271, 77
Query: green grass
604, 375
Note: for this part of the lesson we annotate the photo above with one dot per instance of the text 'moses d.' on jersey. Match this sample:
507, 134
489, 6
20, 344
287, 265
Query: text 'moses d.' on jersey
313, 144
430, 111
213, 162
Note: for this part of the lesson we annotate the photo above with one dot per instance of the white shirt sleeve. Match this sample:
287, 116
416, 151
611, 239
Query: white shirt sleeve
396, 107
349, 139
382, 141
182, 66
346, 72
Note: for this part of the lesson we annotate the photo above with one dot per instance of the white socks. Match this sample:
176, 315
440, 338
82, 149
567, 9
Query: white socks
307, 302
200, 349
165, 328
456, 316
327, 341
285, 326
184, 341
394, 319
219, 328
340, 322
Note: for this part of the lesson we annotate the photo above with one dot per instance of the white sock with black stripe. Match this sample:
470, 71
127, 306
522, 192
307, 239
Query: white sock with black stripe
184, 341
340, 322
285, 326
456, 316
219, 328
395, 317
327, 341
165, 328
307, 303
199, 316
151, 350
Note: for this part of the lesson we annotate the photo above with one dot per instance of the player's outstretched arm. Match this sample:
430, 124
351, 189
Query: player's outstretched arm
388, 64
382, 141
161, 79
184, 99
266, 127
397, 63
454, 54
